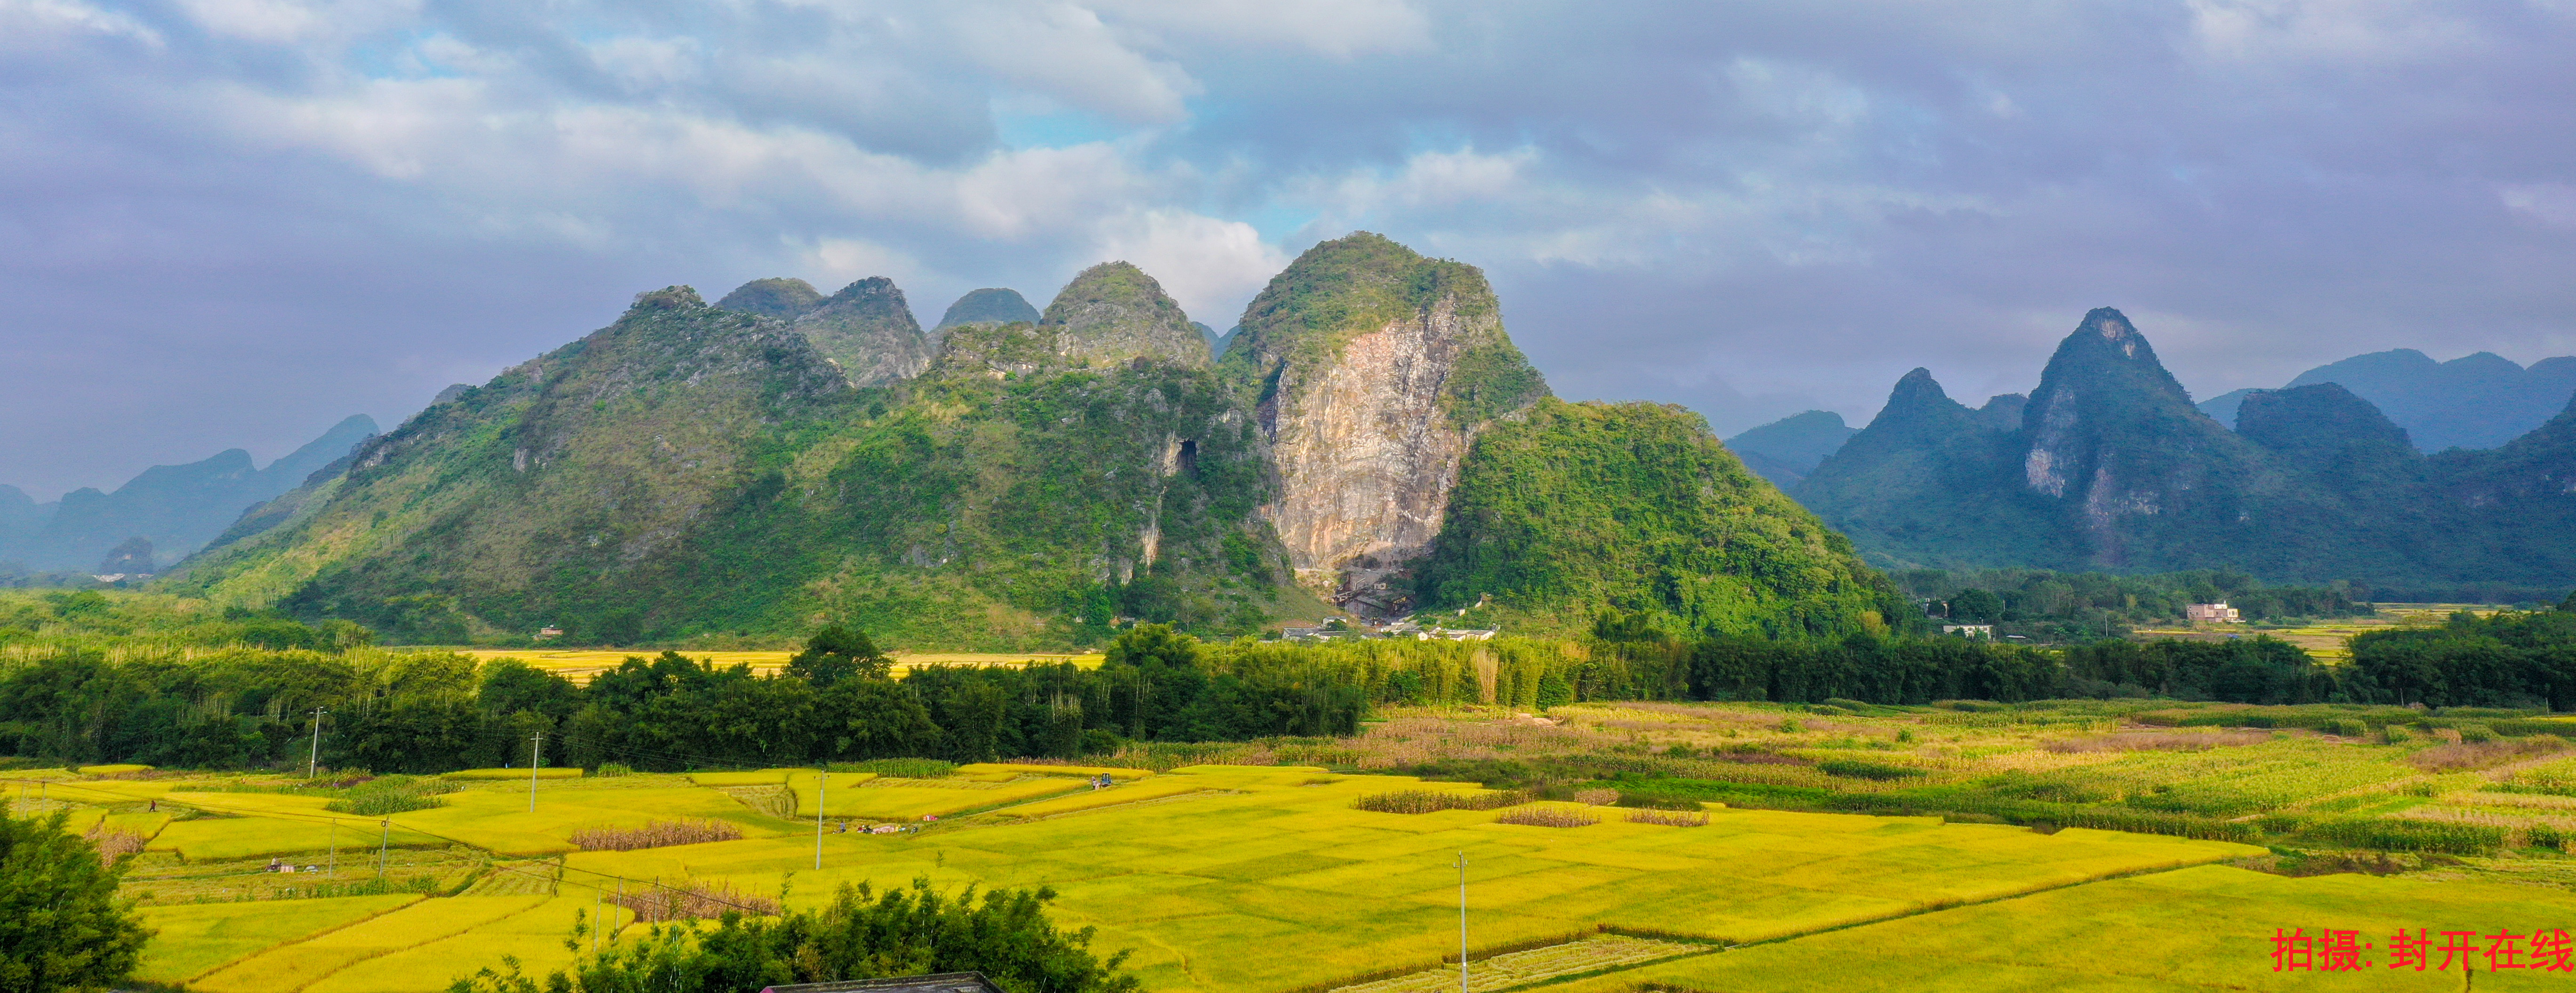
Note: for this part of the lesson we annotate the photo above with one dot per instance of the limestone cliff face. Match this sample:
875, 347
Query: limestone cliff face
869, 331
2110, 430
1114, 312
1373, 368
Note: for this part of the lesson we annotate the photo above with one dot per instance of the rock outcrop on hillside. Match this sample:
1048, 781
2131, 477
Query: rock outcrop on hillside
1371, 368
1114, 312
868, 330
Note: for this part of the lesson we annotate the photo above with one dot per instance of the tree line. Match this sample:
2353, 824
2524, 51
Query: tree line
839, 698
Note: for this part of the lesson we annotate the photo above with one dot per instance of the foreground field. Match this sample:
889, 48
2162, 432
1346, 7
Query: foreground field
1193, 866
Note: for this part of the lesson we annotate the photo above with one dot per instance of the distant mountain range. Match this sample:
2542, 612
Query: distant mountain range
1786, 450
175, 509
2476, 401
2108, 465
1367, 437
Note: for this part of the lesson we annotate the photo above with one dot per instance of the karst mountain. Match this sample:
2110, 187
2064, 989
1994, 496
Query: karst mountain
2109, 465
1370, 442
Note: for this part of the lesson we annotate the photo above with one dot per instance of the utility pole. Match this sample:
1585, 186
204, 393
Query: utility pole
313, 763
533, 745
822, 787
335, 848
385, 846
1462, 922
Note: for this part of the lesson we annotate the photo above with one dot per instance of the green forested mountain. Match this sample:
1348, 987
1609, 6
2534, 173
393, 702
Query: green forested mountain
1637, 507
714, 473
1786, 450
991, 305
2110, 466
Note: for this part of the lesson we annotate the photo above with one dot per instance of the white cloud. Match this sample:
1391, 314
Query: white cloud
1336, 28
2551, 204
841, 261
1210, 266
1065, 52
29, 22
290, 21
2255, 32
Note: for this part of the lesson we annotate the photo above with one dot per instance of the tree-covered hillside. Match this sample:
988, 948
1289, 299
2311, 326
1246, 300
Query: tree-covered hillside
1639, 508
707, 475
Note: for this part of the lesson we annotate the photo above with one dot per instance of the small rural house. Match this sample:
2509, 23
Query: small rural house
2211, 613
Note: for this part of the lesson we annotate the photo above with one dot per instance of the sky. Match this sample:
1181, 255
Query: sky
230, 223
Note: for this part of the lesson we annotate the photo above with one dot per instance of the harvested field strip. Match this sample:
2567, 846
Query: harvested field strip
295, 966
1512, 969
199, 938
2210, 926
1111, 797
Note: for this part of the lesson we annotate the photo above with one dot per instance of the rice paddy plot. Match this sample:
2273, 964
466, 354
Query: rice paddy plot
861, 796
499, 820
194, 939
1277, 857
2209, 927
303, 963
534, 936
1513, 969
222, 838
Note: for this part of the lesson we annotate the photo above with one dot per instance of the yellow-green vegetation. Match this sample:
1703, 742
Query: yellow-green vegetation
549, 772
300, 964
497, 819
2202, 928
534, 936
1190, 866
194, 939
285, 831
1278, 854
888, 798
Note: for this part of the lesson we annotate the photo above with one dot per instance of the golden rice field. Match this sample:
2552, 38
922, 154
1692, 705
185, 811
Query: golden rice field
1266, 879
2328, 641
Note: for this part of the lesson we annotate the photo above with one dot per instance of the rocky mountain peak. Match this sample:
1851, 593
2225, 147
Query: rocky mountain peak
785, 299
867, 329
1373, 368
1113, 312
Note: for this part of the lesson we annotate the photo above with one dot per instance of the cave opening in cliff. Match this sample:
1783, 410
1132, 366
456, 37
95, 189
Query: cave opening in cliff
1190, 457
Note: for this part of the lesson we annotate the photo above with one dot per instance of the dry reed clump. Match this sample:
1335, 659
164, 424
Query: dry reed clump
1669, 818
2482, 755
112, 844
1596, 798
2158, 742
691, 900
1543, 815
656, 834
1428, 801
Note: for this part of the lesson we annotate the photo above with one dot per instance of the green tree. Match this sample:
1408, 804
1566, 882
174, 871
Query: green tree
837, 653
1977, 606
61, 924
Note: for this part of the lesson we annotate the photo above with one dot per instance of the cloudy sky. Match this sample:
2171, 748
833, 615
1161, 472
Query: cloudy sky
232, 222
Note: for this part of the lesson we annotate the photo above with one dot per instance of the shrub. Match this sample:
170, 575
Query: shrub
655, 834
1547, 815
2345, 727
2476, 733
614, 769
392, 795
2409, 836
691, 900
2544, 836
1669, 818
1428, 801
1857, 769
1596, 798
2390, 734
899, 768
1791, 726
